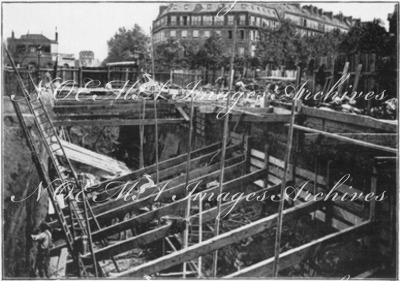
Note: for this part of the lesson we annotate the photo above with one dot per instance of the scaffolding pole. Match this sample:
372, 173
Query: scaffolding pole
282, 193
187, 211
224, 143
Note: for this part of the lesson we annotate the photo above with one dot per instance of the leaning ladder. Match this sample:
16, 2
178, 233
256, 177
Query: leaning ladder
52, 145
56, 146
69, 236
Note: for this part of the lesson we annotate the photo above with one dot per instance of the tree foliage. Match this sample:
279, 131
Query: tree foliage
211, 53
369, 37
170, 53
126, 44
286, 47
278, 46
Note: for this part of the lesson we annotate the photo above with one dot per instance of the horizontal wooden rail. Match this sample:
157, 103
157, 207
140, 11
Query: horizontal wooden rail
295, 256
217, 242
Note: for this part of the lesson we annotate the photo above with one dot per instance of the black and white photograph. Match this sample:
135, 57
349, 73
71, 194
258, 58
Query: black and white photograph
200, 140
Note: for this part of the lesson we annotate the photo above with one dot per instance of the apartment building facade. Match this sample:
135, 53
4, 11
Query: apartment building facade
197, 21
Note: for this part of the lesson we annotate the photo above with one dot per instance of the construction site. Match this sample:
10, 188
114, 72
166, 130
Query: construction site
137, 176
209, 196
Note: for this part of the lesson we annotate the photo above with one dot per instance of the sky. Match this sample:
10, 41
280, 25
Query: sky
88, 26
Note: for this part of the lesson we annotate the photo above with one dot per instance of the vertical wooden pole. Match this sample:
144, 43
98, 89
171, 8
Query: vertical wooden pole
266, 164
374, 181
329, 183
199, 272
141, 128
282, 193
247, 147
80, 77
187, 211
225, 136
108, 74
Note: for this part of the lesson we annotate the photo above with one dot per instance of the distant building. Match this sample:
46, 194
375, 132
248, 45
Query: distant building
32, 49
196, 21
86, 58
66, 60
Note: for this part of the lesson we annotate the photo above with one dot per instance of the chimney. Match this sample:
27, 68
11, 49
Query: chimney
320, 12
328, 14
315, 10
308, 8
12, 34
56, 36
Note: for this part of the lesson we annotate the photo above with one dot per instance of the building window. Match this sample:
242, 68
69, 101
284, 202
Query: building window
241, 34
184, 20
184, 33
242, 20
241, 51
196, 20
195, 33
207, 20
219, 20
253, 50
218, 32
173, 33
229, 34
173, 20
304, 22
206, 34
230, 20
252, 20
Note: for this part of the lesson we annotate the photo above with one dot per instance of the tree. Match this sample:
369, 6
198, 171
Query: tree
126, 45
170, 53
211, 54
369, 37
277, 46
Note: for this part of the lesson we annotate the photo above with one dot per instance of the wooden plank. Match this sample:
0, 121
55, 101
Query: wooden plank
156, 234
353, 119
347, 139
85, 156
116, 122
385, 139
112, 209
169, 209
162, 165
183, 113
62, 263
296, 255
215, 243
266, 118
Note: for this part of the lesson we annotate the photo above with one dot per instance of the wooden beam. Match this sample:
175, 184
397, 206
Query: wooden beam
349, 118
266, 118
121, 207
215, 243
168, 209
385, 139
183, 113
160, 232
162, 166
347, 139
116, 122
294, 256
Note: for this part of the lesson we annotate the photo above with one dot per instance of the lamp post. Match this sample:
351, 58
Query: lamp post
39, 52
